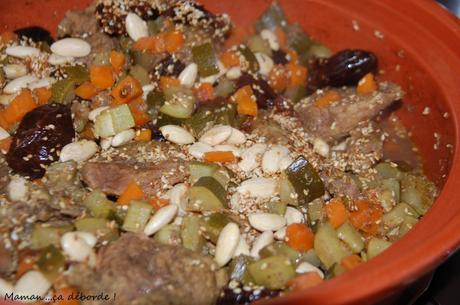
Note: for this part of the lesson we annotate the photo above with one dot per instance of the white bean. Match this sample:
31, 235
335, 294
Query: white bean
285, 162
227, 243
19, 83
242, 248
78, 151
271, 38
13, 71
106, 143
5, 99
78, 246
32, 284
179, 196
71, 47
56, 60
263, 240
44, 82
22, 51
3, 134
266, 221
123, 137
250, 158
198, 149
265, 63
305, 267
177, 134
188, 76
136, 27
292, 215
259, 187
280, 234
233, 73
321, 147
161, 218
5, 288
216, 135
272, 158
237, 137
17, 189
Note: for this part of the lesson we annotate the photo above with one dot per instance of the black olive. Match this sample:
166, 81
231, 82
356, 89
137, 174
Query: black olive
264, 93
36, 33
280, 57
170, 66
230, 297
39, 138
345, 68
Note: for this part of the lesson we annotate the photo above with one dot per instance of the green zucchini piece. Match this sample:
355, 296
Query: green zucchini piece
146, 60
102, 58
51, 263
238, 269
201, 169
225, 87
164, 119
351, 237
315, 212
179, 103
408, 223
207, 194
305, 180
277, 207
155, 26
63, 91
137, 217
386, 170
280, 248
328, 246
169, 235
205, 57
271, 18
102, 228
259, 45
140, 73
310, 257
77, 74
398, 214
190, 233
288, 194
253, 64
203, 118
318, 50
376, 246
272, 272
42, 236
155, 99
122, 118
213, 224
98, 205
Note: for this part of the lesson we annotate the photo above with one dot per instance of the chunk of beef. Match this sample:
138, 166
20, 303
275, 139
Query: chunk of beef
337, 119
340, 183
113, 177
4, 178
83, 24
142, 271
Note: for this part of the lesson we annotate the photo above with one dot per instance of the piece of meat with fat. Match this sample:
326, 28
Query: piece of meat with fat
336, 120
139, 270
113, 177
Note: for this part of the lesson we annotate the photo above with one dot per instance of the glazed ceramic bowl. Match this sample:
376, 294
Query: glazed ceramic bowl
418, 45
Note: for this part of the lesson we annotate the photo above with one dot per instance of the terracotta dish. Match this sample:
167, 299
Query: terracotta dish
418, 45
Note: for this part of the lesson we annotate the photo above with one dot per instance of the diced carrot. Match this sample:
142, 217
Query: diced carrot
66, 296
7, 37
86, 91
304, 281
279, 78
158, 203
297, 74
327, 99
43, 95
117, 60
336, 212
293, 56
19, 106
5, 144
246, 105
127, 90
155, 44
299, 237
102, 76
219, 156
167, 81
230, 59
132, 192
204, 92
144, 135
366, 217
351, 261
281, 36
139, 111
174, 41
3, 122
238, 35
367, 84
